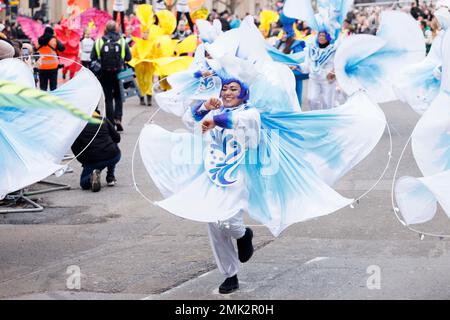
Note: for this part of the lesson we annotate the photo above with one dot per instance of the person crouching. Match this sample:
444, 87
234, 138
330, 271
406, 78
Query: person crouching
96, 149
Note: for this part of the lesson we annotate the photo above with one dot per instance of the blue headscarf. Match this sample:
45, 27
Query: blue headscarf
327, 35
245, 92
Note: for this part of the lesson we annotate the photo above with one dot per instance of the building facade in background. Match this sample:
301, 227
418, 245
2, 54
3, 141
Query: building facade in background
241, 7
55, 9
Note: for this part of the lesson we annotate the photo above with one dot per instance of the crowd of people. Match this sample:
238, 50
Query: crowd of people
362, 19
366, 19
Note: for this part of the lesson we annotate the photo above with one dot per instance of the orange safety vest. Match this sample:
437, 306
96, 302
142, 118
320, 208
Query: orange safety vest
49, 58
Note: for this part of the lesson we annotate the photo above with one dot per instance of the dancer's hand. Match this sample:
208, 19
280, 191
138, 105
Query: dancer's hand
213, 104
331, 76
206, 74
208, 125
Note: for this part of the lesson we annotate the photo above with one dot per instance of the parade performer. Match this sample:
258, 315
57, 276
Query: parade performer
319, 64
321, 50
38, 128
267, 19
142, 52
69, 32
250, 149
419, 84
292, 54
70, 37
95, 20
155, 53
417, 198
377, 61
425, 87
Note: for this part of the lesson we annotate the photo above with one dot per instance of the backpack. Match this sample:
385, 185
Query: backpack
111, 54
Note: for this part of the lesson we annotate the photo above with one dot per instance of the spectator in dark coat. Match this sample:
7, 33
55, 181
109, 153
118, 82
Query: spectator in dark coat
102, 151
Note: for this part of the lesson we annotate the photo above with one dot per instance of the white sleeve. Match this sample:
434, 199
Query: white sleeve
190, 120
304, 67
250, 122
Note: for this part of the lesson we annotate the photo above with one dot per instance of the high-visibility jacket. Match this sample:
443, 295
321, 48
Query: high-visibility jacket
99, 43
49, 58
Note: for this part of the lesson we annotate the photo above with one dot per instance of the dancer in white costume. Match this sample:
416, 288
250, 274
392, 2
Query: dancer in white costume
319, 63
233, 118
253, 150
418, 198
37, 129
428, 92
419, 84
320, 52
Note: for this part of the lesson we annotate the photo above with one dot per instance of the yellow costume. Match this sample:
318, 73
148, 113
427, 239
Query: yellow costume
200, 14
156, 54
267, 18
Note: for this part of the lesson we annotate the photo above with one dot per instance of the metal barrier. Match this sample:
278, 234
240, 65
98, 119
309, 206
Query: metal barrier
15, 198
54, 187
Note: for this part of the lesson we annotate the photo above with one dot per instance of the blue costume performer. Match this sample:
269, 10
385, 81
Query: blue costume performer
419, 84
418, 198
320, 52
37, 128
249, 147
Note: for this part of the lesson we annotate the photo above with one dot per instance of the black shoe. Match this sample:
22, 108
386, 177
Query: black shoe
245, 246
111, 181
142, 99
149, 101
96, 185
119, 126
229, 285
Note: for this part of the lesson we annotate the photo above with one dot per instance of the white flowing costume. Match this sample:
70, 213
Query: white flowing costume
319, 62
221, 235
37, 129
278, 164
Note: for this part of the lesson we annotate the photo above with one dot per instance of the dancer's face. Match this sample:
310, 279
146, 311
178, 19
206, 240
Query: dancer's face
322, 38
230, 94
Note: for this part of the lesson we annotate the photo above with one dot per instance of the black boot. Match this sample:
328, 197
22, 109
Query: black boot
229, 285
149, 100
119, 126
142, 101
245, 246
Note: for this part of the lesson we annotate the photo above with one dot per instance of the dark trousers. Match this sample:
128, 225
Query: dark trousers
86, 64
113, 98
85, 181
188, 17
122, 21
46, 77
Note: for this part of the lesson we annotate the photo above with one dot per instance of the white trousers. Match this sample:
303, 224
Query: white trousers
321, 94
221, 237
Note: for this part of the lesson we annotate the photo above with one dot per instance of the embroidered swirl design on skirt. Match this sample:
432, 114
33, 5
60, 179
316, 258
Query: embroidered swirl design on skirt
224, 155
